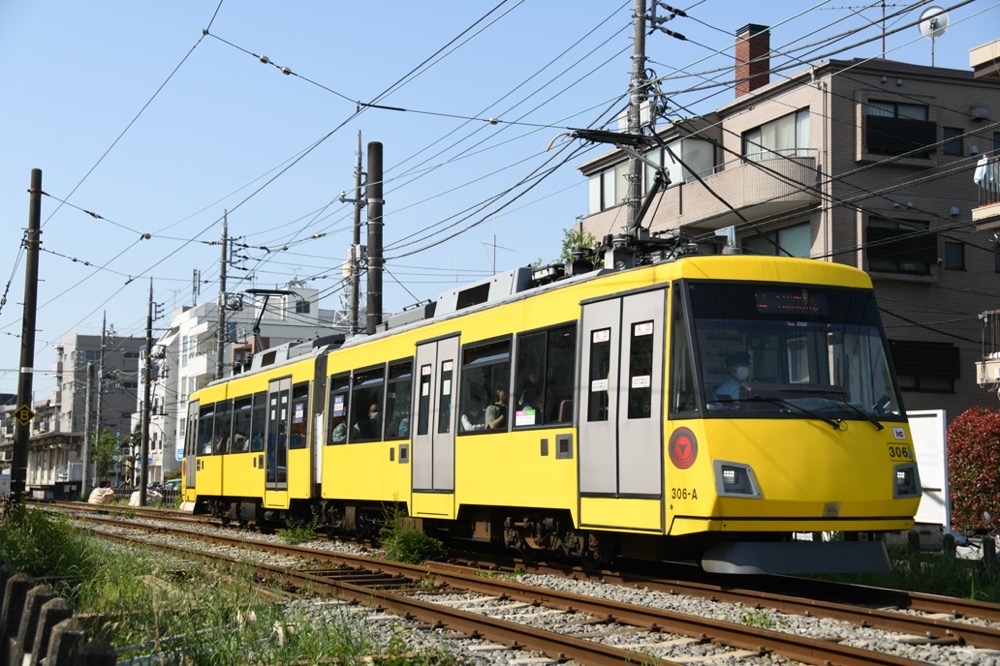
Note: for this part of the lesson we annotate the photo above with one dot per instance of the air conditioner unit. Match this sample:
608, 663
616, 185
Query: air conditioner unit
979, 113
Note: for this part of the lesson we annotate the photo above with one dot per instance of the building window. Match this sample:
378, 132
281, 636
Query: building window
895, 128
925, 366
787, 136
795, 241
301, 306
952, 137
996, 258
954, 255
608, 188
697, 156
131, 355
92, 356
900, 246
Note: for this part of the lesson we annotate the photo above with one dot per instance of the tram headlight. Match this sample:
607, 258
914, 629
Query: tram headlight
735, 480
906, 481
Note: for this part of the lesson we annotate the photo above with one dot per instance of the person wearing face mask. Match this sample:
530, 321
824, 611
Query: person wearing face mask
368, 428
739, 372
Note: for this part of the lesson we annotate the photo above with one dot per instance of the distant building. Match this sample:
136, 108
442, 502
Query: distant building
863, 162
184, 360
59, 424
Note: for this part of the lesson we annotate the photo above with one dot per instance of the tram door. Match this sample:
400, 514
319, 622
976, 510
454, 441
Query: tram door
621, 396
191, 445
276, 445
433, 458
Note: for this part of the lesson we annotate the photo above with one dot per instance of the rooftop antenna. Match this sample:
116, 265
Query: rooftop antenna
933, 22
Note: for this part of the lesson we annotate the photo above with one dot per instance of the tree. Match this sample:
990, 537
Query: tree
105, 453
974, 467
574, 239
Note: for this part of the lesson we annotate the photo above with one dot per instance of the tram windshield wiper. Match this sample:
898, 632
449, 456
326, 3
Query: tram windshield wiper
838, 398
782, 402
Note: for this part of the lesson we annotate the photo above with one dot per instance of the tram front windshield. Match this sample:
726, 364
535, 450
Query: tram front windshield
807, 350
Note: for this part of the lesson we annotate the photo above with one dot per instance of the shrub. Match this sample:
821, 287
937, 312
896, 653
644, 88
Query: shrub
974, 467
407, 544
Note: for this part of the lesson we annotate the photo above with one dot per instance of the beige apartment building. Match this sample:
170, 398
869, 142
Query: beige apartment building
863, 162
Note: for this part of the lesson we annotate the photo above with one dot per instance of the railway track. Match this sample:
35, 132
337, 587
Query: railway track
639, 631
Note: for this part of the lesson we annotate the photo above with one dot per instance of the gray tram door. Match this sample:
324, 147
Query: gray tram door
191, 445
433, 459
621, 396
276, 446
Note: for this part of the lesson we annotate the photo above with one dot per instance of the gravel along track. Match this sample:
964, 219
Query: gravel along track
662, 645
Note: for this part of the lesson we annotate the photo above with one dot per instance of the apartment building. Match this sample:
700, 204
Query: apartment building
864, 162
184, 359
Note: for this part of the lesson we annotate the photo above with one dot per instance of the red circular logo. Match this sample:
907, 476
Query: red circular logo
683, 448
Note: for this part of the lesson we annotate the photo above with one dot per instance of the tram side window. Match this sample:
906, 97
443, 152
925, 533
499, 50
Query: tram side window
223, 427
242, 417
597, 380
682, 392
258, 418
366, 405
398, 399
640, 389
300, 416
484, 402
206, 419
444, 399
544, 377
339, 401
191, 437
423, 420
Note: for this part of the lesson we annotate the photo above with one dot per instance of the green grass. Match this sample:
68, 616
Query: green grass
172, 610
934, 573
296, 532
402, 543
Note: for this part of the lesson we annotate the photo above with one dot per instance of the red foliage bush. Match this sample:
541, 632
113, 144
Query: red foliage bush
974, 467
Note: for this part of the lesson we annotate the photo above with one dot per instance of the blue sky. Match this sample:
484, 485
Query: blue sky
134, 114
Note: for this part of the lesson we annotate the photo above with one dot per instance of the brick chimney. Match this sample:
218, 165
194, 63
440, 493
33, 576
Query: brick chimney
753, 44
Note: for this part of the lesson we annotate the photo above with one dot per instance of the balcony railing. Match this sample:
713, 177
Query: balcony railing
987, 177
988, 370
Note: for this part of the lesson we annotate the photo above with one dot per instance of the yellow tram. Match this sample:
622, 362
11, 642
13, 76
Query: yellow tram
588, 415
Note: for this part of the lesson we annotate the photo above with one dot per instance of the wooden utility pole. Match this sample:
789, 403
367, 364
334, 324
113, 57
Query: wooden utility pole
23, 415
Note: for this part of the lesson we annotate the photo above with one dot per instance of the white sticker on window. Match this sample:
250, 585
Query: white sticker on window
602, 335
446, 387
640, 381
598, 385
447, 366
645, 328
524, 417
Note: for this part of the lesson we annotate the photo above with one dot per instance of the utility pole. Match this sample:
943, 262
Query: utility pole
85, 449
373, 194
23, 415
100, 378
637, 94
144, 463
221, 333
356, 246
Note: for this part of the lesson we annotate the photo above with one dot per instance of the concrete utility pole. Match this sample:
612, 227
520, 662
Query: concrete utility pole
637, 95
146, 366
373, 194
85, 449
356, 246
221, 333
23, 415
100, 378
